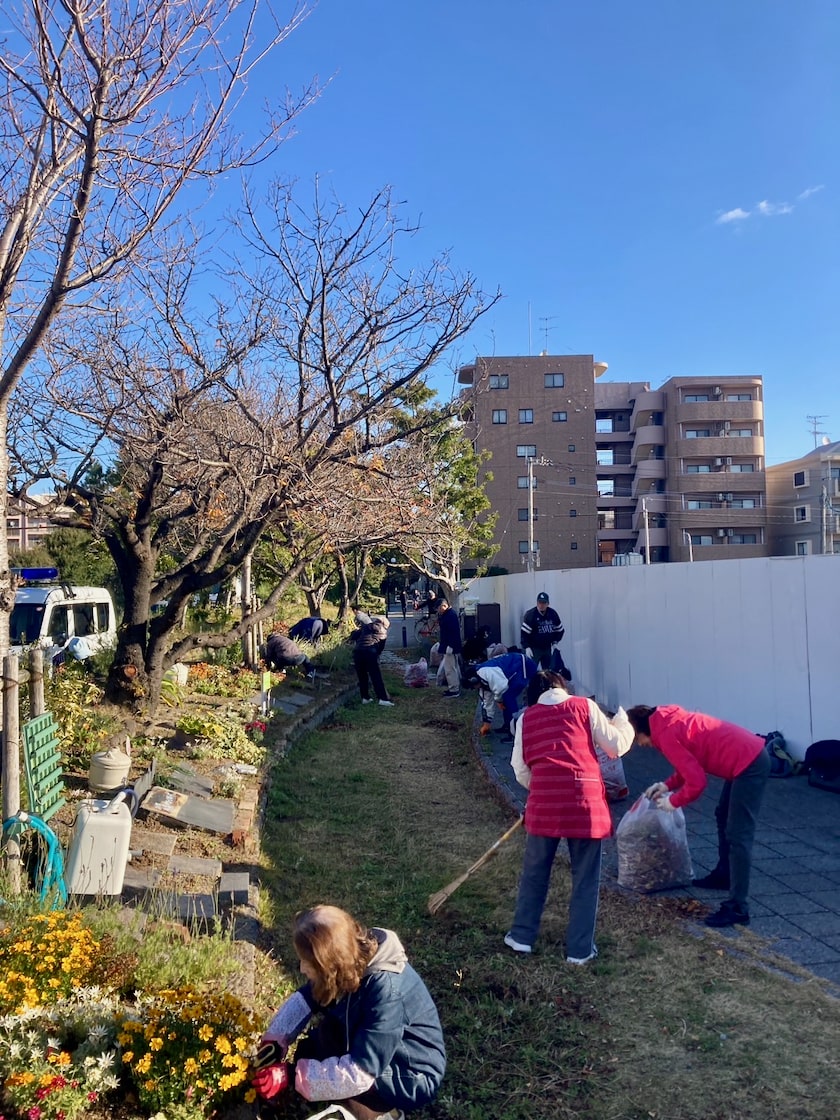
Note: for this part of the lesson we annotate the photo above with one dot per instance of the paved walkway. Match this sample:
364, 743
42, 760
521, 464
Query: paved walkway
795, 885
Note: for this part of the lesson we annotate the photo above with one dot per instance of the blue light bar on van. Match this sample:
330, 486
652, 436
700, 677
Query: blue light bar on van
35, 573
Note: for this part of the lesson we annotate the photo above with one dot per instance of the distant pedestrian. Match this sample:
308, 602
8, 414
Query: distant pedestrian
282, 653
368, 642
310, 629
541, 631
554, 759
403, 602
450, 646
697, 745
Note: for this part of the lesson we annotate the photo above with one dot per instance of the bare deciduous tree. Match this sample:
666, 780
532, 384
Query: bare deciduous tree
109, 109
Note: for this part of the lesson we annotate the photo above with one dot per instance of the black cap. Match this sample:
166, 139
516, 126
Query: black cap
542, 597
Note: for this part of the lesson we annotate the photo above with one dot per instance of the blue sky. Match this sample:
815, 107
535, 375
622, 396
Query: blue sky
655, 183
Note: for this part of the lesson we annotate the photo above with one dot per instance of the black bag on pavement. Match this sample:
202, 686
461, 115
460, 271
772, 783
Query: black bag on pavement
822, 761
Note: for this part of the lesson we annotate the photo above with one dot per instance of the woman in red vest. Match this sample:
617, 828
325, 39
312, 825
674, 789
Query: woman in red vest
554, 758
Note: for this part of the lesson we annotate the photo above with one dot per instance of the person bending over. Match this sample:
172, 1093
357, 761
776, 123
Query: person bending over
697, 745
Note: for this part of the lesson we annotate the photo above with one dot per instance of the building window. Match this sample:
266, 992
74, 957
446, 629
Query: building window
574, 546
696, 503
605, 457
555, 380
740, 432
742, 468
522, 483
526, 451
522, 514
606, 487
743, 538
739, 396
572, 513
803, 548
571, 447
800, 478
698, 468
697, 433
743, 503
606, 519
695, 398
604, 426
526, 416
702, 538
802, 513
500, 416
558, 417
573, 482
524, 549
498, 381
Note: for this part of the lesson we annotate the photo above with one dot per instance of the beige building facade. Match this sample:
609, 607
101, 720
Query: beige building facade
803, 502
618, 470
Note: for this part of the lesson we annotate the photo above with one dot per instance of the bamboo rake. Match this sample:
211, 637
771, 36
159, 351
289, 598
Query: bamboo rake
437, 900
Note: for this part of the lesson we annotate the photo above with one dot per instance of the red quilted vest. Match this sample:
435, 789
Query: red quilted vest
566, 797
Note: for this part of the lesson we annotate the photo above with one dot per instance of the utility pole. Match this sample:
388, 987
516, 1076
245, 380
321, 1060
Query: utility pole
690, 546
816, 432
647, 530
824, 519
533, 558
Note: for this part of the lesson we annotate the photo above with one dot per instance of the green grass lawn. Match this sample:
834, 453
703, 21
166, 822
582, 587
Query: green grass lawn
382, 807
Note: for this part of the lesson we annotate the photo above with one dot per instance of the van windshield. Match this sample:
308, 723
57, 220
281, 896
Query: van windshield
25, 623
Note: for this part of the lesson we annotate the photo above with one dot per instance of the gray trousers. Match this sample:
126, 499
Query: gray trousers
736, 815
585, 859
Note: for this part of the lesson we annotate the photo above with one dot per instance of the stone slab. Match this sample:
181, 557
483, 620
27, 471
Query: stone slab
140, 880
187, 811
298, 699
195, 865
185, 779
145, 840
233, 888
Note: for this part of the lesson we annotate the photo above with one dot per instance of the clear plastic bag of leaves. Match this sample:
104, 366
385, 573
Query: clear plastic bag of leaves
652, 847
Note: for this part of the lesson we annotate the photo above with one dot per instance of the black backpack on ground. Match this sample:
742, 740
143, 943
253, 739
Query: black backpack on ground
822, 762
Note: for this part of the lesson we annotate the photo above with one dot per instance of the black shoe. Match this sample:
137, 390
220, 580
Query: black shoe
452, 692
730, 914
714, 881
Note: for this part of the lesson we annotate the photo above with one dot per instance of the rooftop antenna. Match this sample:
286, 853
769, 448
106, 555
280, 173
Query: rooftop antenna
547, 320
816, 431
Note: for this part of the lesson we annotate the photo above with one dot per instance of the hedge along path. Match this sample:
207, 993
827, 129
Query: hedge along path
381, 807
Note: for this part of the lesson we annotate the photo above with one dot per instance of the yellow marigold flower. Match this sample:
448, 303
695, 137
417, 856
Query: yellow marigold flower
156, 1043
223, 1044
240, 1044
205, 1032
250, 1096
205, 1056
149, 1085
128, 1057
191, 1066
145, 1064
63, 1059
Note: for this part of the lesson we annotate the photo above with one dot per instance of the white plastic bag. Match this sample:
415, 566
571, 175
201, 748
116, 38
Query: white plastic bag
653, 850
612, 771
417, 675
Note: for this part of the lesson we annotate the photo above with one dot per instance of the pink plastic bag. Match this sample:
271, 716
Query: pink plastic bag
417, 675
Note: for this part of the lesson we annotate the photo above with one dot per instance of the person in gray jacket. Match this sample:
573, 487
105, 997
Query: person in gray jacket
368, 642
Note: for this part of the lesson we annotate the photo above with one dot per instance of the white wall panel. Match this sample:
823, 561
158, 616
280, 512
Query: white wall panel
752, 641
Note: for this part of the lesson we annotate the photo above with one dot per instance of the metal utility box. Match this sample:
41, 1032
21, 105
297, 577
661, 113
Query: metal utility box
98, 851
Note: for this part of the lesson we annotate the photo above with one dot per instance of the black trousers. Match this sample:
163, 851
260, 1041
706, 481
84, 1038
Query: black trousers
366, 663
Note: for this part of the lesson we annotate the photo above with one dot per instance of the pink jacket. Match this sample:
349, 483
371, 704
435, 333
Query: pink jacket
697, 745
566, 796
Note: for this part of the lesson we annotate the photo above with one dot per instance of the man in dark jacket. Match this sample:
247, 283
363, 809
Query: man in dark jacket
541, 630
450, 646
310, 629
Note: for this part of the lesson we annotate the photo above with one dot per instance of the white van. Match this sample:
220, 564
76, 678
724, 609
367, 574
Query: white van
50, 615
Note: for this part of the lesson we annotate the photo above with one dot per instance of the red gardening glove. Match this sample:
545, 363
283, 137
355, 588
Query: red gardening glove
271, 1081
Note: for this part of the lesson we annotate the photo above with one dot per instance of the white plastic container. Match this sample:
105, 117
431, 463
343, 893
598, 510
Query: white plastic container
98, 851
108, 770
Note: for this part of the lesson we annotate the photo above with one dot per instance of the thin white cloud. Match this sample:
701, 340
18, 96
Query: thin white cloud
736, 215
773, 209
809, 191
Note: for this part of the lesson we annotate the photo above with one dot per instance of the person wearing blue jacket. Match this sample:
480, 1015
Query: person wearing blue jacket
378, 1047
502, 681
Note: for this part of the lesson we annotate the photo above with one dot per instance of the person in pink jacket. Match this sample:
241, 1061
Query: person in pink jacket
554, 758
697, 745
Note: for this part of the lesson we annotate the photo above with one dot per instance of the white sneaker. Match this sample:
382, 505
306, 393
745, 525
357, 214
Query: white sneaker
386, 703
517, 946
367, 701
583, 960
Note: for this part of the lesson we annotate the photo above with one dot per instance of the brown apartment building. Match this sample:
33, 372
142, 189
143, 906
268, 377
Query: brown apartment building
617, 469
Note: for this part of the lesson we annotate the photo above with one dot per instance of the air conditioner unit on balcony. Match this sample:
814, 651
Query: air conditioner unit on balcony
721, 497
730, 532
729, 497
729, 460
716, 392
721, 532
726, 425
718, 462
